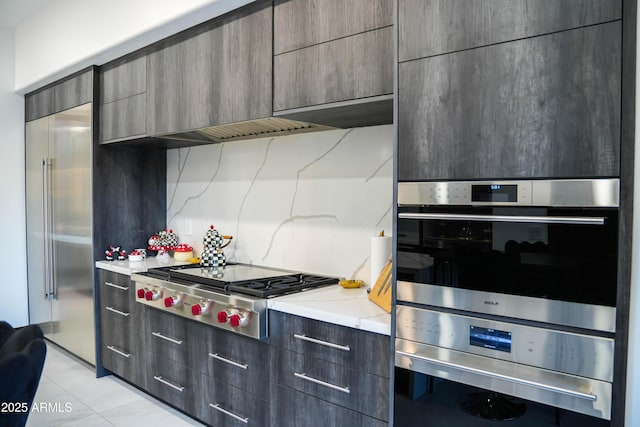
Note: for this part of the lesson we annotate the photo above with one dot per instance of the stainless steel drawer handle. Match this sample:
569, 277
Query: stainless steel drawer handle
325, 343
121, 313
560, 390
575, 220
230, 362
166, 338
113, 285
323, 383
217, 407
120, 352
165, 382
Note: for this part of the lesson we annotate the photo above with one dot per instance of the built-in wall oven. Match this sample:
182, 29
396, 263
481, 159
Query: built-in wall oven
511, 286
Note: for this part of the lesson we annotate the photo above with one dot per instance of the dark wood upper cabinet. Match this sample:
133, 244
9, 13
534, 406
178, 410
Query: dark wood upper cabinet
123, 99
349, 68
39, 104
434, 27
333, 62
545, 106
303, 23
73, 92
216, 73
123, 78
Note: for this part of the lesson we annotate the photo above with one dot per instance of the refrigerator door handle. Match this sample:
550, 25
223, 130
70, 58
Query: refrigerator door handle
51, 285
45, 227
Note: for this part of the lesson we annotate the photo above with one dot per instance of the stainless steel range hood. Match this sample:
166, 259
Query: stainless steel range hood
260, 128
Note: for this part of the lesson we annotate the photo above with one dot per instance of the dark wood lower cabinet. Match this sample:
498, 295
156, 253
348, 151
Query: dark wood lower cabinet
224, 379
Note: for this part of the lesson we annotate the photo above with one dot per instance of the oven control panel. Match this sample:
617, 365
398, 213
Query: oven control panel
601, 192
568, 352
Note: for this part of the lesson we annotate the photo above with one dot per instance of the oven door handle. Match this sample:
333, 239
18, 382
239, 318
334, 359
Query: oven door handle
574, 220
555, 389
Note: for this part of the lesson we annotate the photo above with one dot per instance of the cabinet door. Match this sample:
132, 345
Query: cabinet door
303, 23
123, 78
39, 104
434, 27
124, 118
546, 106
218, 73
73, 92
349, 68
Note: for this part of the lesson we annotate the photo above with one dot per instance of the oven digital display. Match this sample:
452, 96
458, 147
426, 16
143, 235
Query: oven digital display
494, 193
490, 338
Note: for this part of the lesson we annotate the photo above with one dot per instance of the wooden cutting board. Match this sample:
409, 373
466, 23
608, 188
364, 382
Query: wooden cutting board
381, 291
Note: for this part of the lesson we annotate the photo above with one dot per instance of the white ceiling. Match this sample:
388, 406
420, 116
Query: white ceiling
12, 12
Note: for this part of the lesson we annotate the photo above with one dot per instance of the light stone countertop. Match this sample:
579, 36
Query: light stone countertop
334, 304
127, 267
331, 304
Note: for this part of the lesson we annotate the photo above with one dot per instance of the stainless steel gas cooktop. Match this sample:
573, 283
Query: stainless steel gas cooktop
232, 297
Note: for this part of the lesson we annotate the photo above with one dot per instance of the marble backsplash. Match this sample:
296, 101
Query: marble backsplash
308, 202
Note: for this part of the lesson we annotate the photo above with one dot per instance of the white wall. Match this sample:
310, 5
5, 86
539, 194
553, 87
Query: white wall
64, 36
13, 289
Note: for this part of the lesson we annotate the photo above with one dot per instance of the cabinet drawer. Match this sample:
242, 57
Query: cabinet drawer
360, 391
224, 405
367, 351
173, 382
121, 352
290, 408
166, 335
230, 358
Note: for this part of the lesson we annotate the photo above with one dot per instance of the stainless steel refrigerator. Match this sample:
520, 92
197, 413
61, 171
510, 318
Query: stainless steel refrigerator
59, 228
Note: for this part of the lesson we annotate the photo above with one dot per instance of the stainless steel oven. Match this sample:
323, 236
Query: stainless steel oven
511, 286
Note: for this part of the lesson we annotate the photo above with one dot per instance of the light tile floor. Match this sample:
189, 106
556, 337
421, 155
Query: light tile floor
69, 395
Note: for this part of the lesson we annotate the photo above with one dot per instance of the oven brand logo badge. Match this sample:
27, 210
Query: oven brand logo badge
491, 302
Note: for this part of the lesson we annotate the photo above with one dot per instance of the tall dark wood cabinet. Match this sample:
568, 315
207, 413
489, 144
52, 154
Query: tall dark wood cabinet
333, 61
216, 73
486, 90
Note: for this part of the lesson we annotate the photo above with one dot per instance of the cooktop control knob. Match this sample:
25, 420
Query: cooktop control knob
225, 315
152, 295
174, 300
239, 319
141, 292
201, 308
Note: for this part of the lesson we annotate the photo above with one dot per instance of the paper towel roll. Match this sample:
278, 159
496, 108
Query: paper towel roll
380, 253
